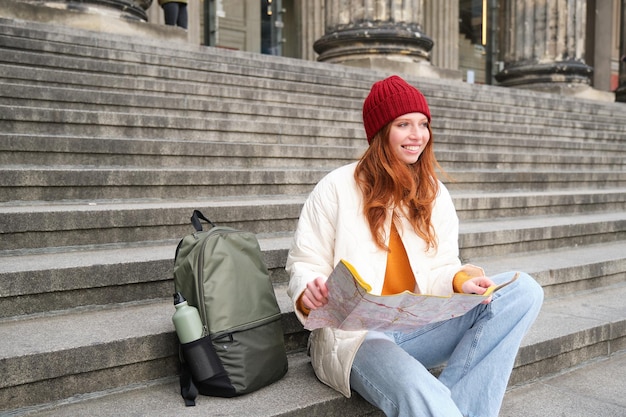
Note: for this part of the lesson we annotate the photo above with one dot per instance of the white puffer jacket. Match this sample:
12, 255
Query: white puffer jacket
332, 227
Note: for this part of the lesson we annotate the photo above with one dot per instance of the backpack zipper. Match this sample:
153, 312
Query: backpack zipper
200, 288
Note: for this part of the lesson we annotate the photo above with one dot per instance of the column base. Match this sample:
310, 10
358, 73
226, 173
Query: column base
545, 76
401, 39
571, 90
92, 17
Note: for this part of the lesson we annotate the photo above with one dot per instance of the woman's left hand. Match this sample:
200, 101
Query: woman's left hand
478, 285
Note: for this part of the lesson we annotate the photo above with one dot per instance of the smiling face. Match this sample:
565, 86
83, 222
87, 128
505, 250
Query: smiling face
408, 136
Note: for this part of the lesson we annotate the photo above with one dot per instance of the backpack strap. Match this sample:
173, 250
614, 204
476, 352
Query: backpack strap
195, 220
188, 389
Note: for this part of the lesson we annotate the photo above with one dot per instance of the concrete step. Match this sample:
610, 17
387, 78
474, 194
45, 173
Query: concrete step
506, 236
57, 122
159, 101
475, 151
594, 388
581, 125
58, 183
142, 153
21, 149
50, 279
56, 279
590, 325
540, 187
109, 183
109, 122
146, 51
565, 271
477, 205
41, 224
267, 105
99, 223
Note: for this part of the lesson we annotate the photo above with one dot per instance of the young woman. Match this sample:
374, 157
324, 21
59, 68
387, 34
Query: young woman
391, 218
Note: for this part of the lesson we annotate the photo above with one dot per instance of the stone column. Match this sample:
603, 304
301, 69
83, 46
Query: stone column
441, 21
379, 34
544, 45
311, 14
620, 93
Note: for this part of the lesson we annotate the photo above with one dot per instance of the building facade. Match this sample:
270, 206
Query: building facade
549, 45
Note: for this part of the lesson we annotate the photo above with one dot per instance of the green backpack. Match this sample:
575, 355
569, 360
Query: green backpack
222, 273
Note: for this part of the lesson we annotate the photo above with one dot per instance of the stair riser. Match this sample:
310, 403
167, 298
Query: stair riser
25, 293
269, 108
29, 120
576, 280
501, 243
94, 224
232, 156
240, 65
111, 184
595, 346
135, 361
39, 379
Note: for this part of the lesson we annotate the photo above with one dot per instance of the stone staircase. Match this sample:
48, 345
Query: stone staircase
108, 143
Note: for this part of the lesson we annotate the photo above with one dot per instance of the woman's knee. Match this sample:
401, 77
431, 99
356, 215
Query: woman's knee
527, 290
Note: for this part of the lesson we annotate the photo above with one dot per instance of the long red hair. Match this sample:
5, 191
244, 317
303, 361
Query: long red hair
386, 182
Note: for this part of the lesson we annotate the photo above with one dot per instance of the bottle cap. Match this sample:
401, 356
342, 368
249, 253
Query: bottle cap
179, 299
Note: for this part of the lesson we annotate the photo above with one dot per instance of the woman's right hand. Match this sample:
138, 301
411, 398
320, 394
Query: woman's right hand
315, 294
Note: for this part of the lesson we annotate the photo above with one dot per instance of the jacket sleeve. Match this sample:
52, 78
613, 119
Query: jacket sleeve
312, 251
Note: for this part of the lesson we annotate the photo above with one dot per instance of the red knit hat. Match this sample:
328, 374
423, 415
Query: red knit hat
388, 99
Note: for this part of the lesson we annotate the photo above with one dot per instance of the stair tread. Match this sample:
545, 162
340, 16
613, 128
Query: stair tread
563, 258
559, 324
51, 332
486, 129
518, 223
292, 68
298, 390
54, 258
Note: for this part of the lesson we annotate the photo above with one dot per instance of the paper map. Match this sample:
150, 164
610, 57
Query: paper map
351, 307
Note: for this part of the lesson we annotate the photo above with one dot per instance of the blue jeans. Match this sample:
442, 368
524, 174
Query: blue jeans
390, 370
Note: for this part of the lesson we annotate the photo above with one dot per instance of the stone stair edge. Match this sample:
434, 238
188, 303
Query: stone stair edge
447, 110
108, 50
551, 345
113, 125
193, 126
300, 392
120, 176
542, 344
451, 97
115, 183
231, 209
48, 31
143, 154
444, 141
37, 217
559, 100
167, 147
248, 57
26, 265
603, 258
